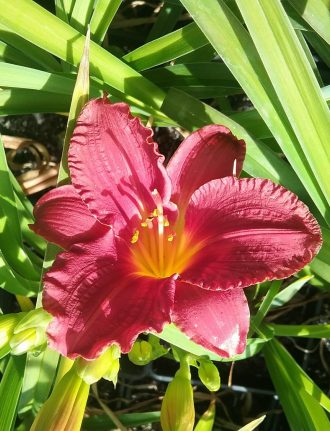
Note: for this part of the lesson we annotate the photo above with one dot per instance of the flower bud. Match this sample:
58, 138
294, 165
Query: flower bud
178, 411
30, 332
28, 340
38, 318
64, 409
7, 326
141, 353
206, 422
106, 366
209, 375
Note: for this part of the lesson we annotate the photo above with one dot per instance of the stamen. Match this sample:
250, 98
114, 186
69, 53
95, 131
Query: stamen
147, 262
161, 248
135, 237
235, 168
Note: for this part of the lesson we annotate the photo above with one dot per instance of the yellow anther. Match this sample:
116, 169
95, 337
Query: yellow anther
166, 222
170, 237
155, 213
135, 237
144, 224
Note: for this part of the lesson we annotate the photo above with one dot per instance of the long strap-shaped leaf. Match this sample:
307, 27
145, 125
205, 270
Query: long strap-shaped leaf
102, 16
166, 48
299, 396
52, 34
293, 80
10, 389
316, 13
41, 58
235, 46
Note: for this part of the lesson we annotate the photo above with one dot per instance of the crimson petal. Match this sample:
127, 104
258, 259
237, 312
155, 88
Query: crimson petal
218, 321
208, 153
115, 165
248, 231
63, 218
95, 302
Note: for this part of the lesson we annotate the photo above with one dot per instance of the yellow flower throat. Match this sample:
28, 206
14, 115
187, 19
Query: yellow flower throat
158, 249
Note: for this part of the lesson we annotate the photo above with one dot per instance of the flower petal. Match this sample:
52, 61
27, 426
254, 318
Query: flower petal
96, 302
115, 165
63, 218
209, 153
218, 321
248, 231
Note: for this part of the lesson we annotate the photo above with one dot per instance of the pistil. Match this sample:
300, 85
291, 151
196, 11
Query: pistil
160, 219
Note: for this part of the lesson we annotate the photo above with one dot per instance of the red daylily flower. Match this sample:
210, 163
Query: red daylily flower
148, 244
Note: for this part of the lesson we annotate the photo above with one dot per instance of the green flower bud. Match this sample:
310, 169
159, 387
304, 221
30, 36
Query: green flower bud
38, 318
30, 332
7, 326
206, 422
105, 366
64, 409
28, 340
178, 410
141, 353
209, 375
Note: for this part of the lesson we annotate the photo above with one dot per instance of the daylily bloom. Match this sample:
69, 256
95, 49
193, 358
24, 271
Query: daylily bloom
147, 244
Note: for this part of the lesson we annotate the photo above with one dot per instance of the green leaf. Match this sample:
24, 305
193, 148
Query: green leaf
238, 51
253, 122
52, 34
288, 293
12, 55
79, 99
15, 76
166, 20
266, 304
22, 101
81, 14
10, 388
38, 379
316, 13
11, 237
299, 396
103, 14
60, 10
204, 54
171, 334
321, 264
64, 9
24, 209
202, 80
299, 376
307, 331
37, 55
4, 351
253, 425
309, 57
13, 282
167, 48
293, 81
321, 47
